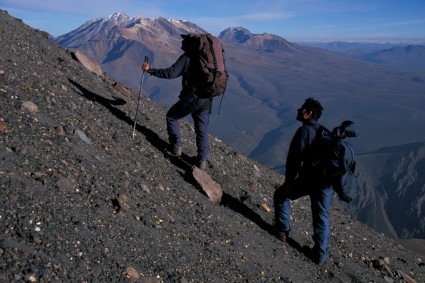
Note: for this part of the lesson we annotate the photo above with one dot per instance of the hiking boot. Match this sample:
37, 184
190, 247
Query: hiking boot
203, 164
282, 235
321, 263
310, 251
177, 151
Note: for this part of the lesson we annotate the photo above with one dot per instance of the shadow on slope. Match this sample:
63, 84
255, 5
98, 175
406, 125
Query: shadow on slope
184, 162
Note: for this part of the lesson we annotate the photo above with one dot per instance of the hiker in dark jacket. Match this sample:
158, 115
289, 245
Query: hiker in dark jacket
188, 103
301, 180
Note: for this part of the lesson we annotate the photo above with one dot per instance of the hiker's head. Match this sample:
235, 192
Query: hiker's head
186, 46
311, 109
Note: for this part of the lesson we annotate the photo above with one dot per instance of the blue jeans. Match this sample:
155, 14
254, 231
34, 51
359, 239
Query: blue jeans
320, 208
199, 109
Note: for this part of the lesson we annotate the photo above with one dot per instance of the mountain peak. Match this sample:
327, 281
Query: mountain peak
121, 19
118, 17
159, 33
265, 41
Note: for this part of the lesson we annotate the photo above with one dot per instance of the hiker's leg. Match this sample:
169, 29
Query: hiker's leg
201, 121
282, 205
178, 111
320, 208
282, 209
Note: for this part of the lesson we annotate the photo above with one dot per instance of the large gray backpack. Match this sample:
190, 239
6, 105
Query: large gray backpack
332, 159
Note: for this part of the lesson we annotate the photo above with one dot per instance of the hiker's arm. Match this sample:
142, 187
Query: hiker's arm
295, 154
172, 72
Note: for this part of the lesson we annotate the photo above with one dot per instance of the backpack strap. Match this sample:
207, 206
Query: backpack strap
214, 58
320, 131
210, 43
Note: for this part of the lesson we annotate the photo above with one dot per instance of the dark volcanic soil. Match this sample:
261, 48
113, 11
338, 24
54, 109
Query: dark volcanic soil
84, 201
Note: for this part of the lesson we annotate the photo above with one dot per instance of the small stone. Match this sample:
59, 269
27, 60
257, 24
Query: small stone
387, 260
265, 207
406, 277
132, 273
160, 186
83, 136
60, 131
2, 126
66, 184
30, 106
123, 202
144, 188
32, 278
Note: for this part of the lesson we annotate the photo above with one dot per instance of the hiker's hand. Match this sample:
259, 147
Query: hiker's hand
145, 67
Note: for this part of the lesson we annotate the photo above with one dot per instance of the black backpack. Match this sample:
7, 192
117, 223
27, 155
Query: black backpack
335, 159
208, 69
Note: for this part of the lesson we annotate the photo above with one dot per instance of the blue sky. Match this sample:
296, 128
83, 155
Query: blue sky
294, 20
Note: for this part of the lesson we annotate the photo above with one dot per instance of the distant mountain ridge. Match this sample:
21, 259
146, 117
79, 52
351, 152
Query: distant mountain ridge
349, 47
409, 57
269, 79
267, 42
404, 55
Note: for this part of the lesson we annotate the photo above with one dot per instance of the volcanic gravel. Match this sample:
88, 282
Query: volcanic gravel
85, 201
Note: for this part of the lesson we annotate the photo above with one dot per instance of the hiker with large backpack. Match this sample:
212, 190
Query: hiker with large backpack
301, 179
204, 76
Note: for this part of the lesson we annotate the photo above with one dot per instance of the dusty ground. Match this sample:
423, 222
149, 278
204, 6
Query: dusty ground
84, 201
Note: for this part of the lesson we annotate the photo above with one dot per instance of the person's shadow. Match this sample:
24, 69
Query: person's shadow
183, 162
110, 104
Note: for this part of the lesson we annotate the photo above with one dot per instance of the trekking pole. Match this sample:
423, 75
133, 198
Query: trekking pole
138, 99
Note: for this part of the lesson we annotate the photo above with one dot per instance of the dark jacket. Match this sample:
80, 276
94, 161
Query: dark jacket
300, 151
179, 68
